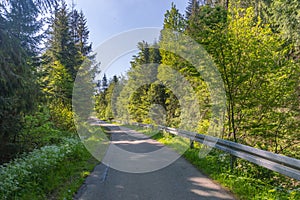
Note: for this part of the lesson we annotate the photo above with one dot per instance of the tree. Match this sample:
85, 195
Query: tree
139, 78
25, 28
80, 32
106, 99
136, 94
110, 98
61, 45
193, 6
104, 83
59, 89
180, 108
286, 18
74, 24
83, 35
101, 103
18, 50
62, 60
60, 84
251, 61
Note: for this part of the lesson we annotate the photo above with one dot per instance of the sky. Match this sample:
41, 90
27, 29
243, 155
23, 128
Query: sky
107, 18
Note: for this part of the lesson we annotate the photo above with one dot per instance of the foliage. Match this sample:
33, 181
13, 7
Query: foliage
19, 33
29, 174
285, 16
38, 131
133, 96
252, 61
253, 58
67, 51
61, 45
35, 100
82, 35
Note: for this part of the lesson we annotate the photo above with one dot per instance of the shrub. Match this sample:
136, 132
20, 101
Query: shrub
27, 172
38, 131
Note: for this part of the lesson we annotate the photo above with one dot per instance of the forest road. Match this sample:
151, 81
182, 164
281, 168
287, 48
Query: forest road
178, 181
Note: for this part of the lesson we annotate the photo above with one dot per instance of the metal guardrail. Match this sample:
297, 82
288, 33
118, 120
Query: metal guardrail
282, 164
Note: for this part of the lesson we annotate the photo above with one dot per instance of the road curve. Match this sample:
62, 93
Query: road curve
178, 181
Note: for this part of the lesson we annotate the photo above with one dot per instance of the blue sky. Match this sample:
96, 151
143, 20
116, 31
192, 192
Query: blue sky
107, 18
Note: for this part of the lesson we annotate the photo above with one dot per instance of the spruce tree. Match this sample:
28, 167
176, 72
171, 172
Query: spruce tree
62, 47
62, 60
19, 28
74, 25
193, 6
104, 83
83, 36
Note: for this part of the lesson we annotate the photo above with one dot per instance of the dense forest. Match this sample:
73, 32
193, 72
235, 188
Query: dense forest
38, 68
255, 47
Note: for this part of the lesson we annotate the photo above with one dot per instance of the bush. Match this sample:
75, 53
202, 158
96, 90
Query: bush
38, 131
62, 115
29, 171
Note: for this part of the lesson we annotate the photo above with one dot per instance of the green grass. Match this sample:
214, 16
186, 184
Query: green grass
67, 179
64, 181
246, 180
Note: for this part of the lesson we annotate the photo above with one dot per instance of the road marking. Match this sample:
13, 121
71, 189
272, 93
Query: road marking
105, 174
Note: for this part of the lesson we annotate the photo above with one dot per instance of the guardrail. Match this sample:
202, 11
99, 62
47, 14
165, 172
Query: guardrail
282, 164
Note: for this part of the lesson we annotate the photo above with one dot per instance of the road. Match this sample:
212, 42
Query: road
178, 181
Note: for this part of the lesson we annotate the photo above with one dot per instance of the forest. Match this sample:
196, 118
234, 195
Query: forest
255, 46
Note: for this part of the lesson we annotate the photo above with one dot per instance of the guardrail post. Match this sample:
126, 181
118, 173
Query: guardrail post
191, 143
232, 162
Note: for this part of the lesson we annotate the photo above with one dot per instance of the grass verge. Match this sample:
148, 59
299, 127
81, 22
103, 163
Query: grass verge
52, 172
68, 178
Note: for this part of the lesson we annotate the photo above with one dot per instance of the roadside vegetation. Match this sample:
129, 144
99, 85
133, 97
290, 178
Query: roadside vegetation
51, 172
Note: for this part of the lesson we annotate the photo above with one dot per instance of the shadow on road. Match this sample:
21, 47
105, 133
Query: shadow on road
178, 181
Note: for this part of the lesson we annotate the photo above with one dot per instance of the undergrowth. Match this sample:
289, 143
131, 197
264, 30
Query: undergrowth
51, 172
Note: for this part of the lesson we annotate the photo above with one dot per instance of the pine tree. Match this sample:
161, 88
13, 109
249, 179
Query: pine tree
80, 32
174, 20
74, 25
62, 60
18, 50
23, 25
61, 45
83, 35
104, 83
115, 79
193, 6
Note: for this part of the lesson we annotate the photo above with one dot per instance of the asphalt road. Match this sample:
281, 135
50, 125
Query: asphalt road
178, 181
